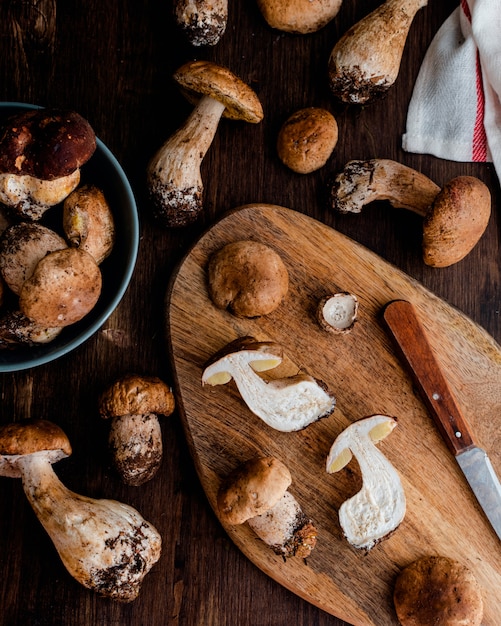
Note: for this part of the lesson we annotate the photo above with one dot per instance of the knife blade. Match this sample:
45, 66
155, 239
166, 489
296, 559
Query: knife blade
409, 335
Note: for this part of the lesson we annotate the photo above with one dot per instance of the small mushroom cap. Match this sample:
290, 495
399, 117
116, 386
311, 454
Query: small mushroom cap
307, 139
337, 313
136, 395
299, 16
456, 221
46, 143
27, 437
64, 287
248, 278
252, 489
437, 590
204, 78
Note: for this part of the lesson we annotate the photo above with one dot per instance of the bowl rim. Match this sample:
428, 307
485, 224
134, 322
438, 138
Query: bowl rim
133, 228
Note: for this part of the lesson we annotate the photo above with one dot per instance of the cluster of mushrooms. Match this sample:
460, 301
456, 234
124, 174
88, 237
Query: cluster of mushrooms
50, 276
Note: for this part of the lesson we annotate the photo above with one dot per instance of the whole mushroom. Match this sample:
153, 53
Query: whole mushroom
256, 492
202, 21
299, 16
173, 175
133, 403
455, 217
105, 545
41, 153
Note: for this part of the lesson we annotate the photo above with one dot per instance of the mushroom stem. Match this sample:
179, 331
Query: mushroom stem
202, 21
365, 62
174, 177
105, 545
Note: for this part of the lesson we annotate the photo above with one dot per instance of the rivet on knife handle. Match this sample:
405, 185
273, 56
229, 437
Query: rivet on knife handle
410, 337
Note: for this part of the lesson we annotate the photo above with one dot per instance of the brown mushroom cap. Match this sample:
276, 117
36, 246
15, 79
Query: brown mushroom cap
252, 489
248, 278
30, 437
437, 590
45, 143
203, 78
136, 395
456, 221
64, 287
307, 139
299, 16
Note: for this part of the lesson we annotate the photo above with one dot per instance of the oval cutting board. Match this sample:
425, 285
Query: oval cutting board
365, 375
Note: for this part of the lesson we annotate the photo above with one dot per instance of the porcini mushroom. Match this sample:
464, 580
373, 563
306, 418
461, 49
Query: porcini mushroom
18, 330
286, 404
173, 175
248, 278
202, 21
41, 153
256, 492
379, 507
455, 217
365, 62
299, 16
337, 313
88, 222
307, 139
105, 545
133, 403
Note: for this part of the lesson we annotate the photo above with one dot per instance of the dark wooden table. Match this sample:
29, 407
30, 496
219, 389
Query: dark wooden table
112, 62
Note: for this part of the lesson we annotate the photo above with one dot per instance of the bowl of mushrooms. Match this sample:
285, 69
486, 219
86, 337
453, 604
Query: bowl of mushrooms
69, 234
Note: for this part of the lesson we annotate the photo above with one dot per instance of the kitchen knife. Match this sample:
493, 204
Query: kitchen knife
409, 335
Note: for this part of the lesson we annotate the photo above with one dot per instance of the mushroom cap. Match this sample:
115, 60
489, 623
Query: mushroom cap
64, 287
45, 143
27, 437
456, 221
248, 278
437, 590
337, 313
307, 139
204, 78
136, 395
252, 489
299, 16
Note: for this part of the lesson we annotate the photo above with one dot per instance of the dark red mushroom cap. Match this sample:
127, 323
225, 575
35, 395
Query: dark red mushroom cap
45, 143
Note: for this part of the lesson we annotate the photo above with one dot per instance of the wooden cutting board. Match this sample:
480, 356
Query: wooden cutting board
364, 373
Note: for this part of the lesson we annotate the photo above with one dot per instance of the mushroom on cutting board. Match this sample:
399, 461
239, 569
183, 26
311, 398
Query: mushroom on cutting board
365, 62
133, 403
105, 545
380, 506
299, 16
256, 492
337, 313
455, 217
248, 278
173, 175
41, 153
202, 21
285, 404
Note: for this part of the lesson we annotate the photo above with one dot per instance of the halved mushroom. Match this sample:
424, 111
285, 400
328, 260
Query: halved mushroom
202, 21
256, 493
173, 175
380, 506
105, 545
337, 313
133, 403
455, 217
41, 153
286, 404
248, 278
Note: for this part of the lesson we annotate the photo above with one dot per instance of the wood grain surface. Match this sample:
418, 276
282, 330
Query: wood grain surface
113, 62
365, 375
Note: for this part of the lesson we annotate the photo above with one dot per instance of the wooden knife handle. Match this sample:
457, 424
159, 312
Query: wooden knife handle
409, 335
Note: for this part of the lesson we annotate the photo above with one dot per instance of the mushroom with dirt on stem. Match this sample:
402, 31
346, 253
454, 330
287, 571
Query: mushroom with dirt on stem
202, 21
256, 492
455, 217
133, 403
380, 506
107, 546
173, 175
285, 404
365, 62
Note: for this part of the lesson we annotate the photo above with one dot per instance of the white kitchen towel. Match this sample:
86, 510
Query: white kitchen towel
455, 109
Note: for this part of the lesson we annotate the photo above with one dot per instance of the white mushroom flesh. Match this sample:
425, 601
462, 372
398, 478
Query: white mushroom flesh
339, 312
380, 506
286, 404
